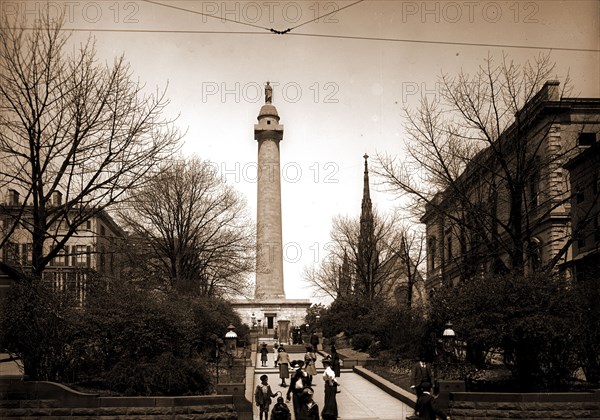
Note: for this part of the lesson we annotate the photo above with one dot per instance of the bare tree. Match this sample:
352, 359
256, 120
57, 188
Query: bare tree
375, 265
75, 134
487, 165
197, 228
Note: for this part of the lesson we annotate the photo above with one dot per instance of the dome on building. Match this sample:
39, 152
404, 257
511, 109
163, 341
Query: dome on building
268, 110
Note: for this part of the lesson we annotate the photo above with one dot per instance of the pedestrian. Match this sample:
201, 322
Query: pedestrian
264, 352
297, 385
426, 407
310, 360
330, 410
335, 363
275, 350
309, 410
421, 373
281, 411
283, 360
314, 341
262, 396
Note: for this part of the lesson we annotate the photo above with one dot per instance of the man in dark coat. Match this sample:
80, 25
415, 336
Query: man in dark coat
426, 407
420, 374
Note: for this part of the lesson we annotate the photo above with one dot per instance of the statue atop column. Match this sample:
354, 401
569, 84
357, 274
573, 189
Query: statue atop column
268, 93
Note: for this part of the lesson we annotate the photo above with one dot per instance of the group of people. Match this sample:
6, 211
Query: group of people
300, 390
421, 383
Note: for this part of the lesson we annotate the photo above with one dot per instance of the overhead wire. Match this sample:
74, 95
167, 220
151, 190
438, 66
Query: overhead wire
289, 32
348, 37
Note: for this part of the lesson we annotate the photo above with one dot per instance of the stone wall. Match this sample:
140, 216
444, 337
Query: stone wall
547, 406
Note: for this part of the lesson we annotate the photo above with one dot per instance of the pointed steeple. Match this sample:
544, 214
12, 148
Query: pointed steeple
368, 256
366, 214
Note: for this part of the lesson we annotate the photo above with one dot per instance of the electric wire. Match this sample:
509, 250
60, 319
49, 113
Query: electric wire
346, 37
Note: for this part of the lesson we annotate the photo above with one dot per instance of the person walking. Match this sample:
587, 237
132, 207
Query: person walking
264, 353
283, 360
330, 410
335, 364
297, 385
262, 396
314, 341
309, 410
426, 407
281, 411
310, 360
421, 373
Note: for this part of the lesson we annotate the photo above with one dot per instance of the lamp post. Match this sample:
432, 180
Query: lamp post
253, 320
448, 340
231, 347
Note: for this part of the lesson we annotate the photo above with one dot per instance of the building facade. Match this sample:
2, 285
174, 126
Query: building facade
489, 222
92, 248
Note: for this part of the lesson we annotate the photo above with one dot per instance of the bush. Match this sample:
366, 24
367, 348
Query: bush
163, 375
362, 341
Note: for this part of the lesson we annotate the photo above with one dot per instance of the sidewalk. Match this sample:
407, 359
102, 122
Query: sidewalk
9, 369
359, 399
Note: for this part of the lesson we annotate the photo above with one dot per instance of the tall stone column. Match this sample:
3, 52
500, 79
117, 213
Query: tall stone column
269, 258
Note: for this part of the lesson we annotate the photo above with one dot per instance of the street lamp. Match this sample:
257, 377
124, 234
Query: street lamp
231, 340
253, 320
448, 338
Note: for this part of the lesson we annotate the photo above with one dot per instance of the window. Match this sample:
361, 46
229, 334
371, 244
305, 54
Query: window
431, 251
60, 259
534, 183
57, 198
81, 257
535, 257
586, 139
13, 198
449, 246
581, 239
88, 224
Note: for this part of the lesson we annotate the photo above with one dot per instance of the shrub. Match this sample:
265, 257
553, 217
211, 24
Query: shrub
362, 341
163, 375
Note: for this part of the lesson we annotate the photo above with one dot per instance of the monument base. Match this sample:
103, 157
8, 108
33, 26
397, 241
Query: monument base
266, 314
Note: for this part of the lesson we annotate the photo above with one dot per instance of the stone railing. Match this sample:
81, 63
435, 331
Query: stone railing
548, 406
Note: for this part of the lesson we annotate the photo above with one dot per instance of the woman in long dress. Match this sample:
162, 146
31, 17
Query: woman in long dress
310, 358
283, 360
330, 410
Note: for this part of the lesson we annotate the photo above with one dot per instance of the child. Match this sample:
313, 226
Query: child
264, 351
263, 395
281, 411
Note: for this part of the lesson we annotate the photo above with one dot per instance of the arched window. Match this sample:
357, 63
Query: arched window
535, 254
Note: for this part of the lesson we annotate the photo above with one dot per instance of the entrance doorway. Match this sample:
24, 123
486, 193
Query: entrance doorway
270, 324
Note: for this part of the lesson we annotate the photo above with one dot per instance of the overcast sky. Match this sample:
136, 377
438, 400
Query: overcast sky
340, 83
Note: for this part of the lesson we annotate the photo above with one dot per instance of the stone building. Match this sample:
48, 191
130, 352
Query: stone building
91, 249
584, 170
472, 226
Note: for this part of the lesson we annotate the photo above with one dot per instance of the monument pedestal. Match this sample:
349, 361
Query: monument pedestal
273, 313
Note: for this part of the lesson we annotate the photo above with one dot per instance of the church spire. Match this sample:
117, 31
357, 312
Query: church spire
367, 257
367, 207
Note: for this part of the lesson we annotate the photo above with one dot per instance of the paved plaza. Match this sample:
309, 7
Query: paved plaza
359, 399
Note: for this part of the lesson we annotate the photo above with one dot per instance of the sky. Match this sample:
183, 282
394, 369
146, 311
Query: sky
340, 83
